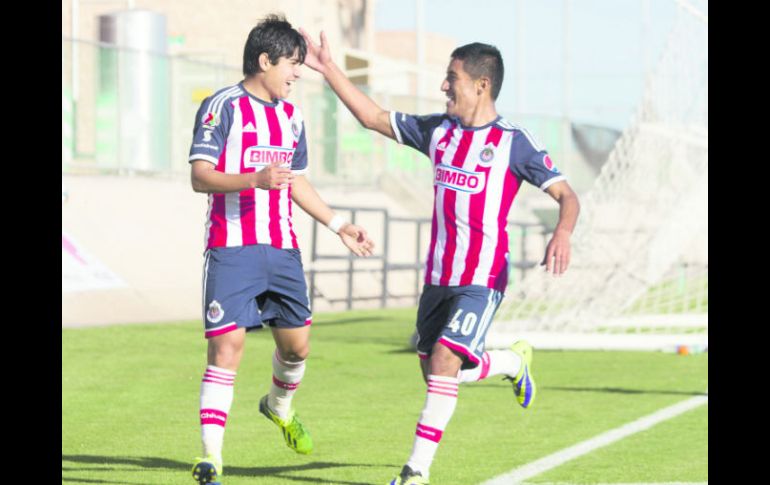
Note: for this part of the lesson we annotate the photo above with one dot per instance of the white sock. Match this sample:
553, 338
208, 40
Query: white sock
440, 404
286, 378
493, 362
216, 399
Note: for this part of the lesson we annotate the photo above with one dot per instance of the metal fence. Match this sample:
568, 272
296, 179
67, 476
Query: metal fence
527, 241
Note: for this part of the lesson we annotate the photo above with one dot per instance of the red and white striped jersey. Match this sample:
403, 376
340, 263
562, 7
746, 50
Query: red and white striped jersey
477, 173
240, 133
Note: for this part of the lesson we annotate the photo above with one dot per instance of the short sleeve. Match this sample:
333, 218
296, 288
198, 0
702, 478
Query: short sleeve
531, 163
299, 161
415, 131
210, 131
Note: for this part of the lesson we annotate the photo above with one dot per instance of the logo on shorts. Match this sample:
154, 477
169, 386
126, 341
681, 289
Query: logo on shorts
215, 313
295, 129
210, 119
487, 154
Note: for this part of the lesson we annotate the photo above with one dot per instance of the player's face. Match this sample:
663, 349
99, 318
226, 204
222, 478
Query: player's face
461, 90
280, 78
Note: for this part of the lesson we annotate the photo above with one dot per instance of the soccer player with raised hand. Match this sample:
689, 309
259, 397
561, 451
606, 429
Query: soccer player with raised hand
249, 153
480, 161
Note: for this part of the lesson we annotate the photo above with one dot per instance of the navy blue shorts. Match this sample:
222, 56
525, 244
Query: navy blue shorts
457, 317
250, 286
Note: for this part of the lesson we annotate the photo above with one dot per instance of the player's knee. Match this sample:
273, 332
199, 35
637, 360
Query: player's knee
226, 359
295, 354
225, 354
444, 361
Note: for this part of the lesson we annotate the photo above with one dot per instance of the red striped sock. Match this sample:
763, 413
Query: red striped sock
493, 362
440, 404
216, 399
286, 378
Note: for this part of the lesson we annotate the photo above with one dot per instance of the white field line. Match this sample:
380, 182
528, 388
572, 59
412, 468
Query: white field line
654, 483
518, 475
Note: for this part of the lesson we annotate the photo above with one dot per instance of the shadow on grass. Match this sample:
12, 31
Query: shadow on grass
402, 350
344, 321
90, 480
607, 390
161, 463
620, 390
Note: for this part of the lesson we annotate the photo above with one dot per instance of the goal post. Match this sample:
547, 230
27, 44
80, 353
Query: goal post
638, 277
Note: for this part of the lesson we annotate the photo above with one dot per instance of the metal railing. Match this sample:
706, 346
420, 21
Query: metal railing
520, 258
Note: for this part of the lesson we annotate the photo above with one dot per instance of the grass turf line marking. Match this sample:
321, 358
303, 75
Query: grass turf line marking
518, 475
652, 483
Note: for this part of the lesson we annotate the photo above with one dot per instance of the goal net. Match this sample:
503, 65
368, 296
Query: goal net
638, 277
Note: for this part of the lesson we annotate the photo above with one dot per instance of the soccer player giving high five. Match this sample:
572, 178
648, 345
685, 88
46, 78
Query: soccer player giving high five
480, 161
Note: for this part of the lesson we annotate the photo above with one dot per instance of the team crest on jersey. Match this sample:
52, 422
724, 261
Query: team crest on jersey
487, 154
459, 180
442, 146
549, 164
210, 119
215, 313
295, 128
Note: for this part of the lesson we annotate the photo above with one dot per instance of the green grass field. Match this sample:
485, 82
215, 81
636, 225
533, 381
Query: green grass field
130, 410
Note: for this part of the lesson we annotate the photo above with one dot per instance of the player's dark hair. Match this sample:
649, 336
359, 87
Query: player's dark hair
274, 36
482, 60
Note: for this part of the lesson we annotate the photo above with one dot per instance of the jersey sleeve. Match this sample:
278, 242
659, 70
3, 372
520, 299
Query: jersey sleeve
210, 131
530, 162
299, 158
299, 161
415, 131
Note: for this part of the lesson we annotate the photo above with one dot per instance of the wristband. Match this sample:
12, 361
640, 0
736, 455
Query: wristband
336, 223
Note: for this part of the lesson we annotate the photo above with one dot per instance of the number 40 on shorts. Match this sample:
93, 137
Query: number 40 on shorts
467, 325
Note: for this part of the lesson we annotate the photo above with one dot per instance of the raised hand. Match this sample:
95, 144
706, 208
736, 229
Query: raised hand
317, 55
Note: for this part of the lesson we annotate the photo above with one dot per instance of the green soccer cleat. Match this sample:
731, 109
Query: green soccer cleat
207, 470
524, 382
296, 436
408, 477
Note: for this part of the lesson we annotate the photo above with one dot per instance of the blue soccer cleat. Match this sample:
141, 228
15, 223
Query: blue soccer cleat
523, 381
207, 471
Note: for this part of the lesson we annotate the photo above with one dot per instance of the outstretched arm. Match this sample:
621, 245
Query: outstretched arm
557, 253
366, 111
353, 236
